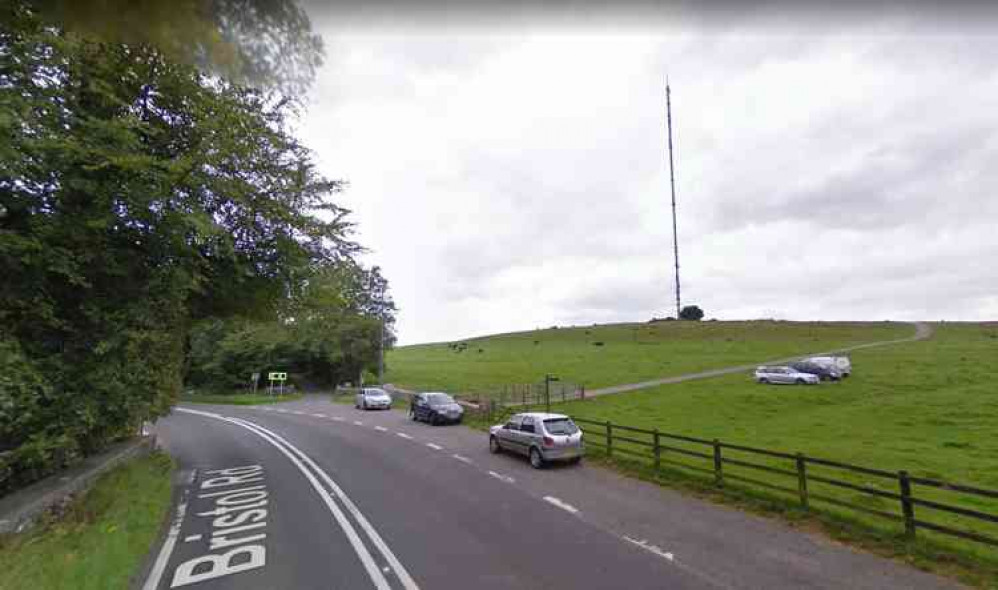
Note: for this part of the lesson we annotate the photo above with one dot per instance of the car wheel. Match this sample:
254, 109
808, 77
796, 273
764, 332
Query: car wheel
575, 460
412, 415
435, 420
494, 447
536, 461
763, 381
801, 382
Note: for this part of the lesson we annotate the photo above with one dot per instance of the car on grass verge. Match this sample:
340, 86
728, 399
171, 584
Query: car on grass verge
786, 375
841, 363
435, 408
824, 372
372, 398
541, 437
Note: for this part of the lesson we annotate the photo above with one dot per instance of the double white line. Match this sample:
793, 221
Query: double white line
310, 470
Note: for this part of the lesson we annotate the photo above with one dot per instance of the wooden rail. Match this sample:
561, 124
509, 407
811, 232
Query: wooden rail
611, 439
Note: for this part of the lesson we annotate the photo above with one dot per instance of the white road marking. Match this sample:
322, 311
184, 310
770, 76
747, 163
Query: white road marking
560, 504
403, 575
152, 582
358, 423
435, 447
502, 477
193, 476
297, 457
190, 538
381, 429
337, 418
319, 415
652, 548
404, 435
463, 459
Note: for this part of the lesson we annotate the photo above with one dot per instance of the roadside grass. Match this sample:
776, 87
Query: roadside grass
100, 540
928, 407
240, 399
628, 353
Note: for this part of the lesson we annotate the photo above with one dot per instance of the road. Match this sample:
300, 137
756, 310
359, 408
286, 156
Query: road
312, 494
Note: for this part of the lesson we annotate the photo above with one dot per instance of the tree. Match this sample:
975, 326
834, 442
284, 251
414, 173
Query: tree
137, 196
256, 42
691, 312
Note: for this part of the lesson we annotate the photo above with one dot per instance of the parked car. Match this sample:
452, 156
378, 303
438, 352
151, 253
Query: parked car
785, 375
539, 436
435, 408
842, 363
825, 372
372, 398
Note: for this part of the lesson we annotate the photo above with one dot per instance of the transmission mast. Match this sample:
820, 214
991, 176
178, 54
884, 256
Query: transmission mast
672, 184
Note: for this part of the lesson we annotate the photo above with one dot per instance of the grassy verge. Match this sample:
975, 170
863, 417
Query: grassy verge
599, 356
101, 539
240, 399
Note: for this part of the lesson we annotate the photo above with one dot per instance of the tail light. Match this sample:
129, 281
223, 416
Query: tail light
548, 441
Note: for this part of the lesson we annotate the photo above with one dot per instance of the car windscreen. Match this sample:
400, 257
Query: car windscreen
375, 393
560, 426
439, 399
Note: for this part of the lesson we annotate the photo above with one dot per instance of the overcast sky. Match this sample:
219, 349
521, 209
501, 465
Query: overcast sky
512, 174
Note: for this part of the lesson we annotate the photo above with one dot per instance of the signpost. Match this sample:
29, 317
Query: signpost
280, 378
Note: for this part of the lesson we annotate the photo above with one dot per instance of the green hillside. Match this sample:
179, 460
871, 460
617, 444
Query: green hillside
600, 356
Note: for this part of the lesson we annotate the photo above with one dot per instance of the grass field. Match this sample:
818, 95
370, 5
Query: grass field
239, 399
929, 407
629, 352
101, 540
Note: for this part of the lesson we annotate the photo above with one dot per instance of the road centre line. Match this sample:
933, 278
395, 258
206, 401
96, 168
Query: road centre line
381, 429
286, 448
319, 415
400, 571
357, 423
337, 418
560, 504
435, 447
403, 435
463, 459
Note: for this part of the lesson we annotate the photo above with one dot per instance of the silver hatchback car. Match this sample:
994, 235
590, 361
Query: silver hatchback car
541, 437
373, 398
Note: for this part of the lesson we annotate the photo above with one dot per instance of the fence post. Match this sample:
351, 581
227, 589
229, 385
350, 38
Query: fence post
583, 390
907, 507
802, 480
658, 451
562, 393
718, 469
609, 439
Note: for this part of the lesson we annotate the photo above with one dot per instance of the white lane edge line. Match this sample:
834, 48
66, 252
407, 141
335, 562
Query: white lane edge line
435, 447
372, 533
561, 504
359, 548
651, 548
502, 477
166, 551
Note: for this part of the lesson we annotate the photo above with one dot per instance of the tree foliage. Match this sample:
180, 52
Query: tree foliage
266, 43
137, 197
691, 312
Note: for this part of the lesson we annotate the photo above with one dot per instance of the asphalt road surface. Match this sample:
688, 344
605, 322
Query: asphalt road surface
312, 494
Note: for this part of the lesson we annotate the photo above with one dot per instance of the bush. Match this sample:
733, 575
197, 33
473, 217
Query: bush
691, 312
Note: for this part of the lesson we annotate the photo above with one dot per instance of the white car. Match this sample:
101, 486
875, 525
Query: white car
372, 398
786, 375
841, 363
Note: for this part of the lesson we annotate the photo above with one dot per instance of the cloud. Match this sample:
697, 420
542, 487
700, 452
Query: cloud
507, 179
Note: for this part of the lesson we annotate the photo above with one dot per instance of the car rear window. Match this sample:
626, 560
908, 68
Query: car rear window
560, 426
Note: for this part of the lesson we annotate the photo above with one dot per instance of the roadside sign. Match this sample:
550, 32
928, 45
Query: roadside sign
278, 376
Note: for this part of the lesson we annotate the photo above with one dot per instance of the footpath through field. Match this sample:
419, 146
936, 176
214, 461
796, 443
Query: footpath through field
922, 332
